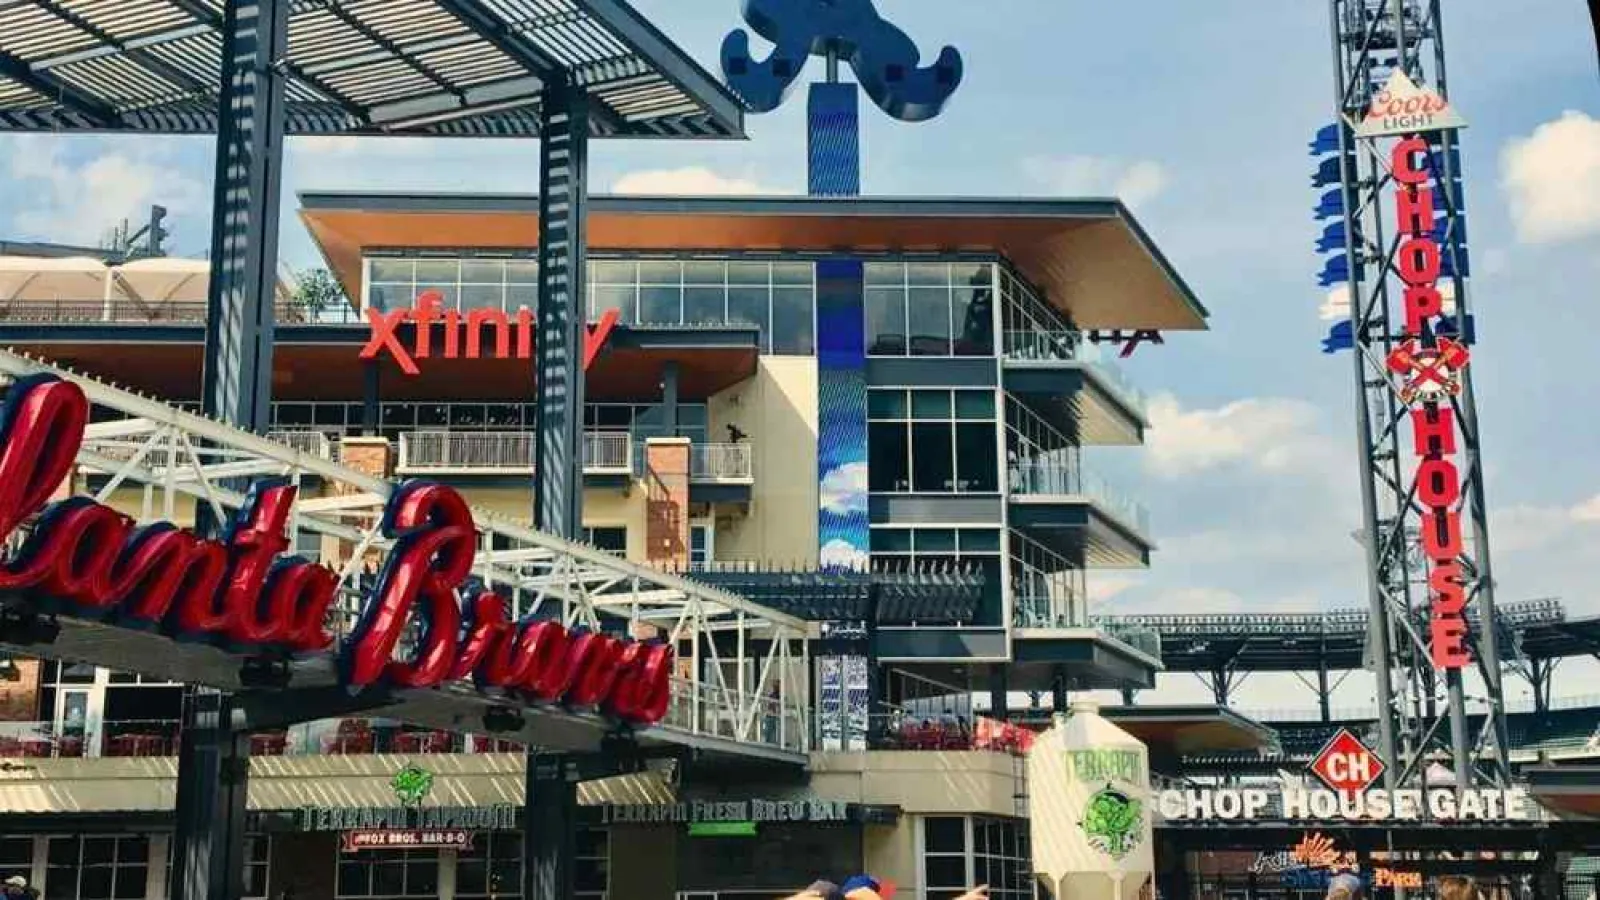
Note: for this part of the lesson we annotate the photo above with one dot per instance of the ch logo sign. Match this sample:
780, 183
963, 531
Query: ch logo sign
1347, 765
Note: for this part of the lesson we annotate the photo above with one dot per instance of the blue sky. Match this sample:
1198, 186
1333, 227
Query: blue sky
1198, 115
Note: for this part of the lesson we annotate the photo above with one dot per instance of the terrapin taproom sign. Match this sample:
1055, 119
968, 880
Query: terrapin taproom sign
1428, 368
86, 560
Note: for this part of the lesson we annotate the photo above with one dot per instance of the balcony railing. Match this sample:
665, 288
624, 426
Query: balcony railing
313, 443
169, 312
50, 740
1070, 346
722, 463
480, 452
1039, 478
1047, 590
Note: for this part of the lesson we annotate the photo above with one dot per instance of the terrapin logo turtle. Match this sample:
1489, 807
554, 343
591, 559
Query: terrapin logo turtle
1112, 821
411, 785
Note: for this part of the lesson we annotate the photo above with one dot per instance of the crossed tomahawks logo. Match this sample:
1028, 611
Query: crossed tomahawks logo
1428, 373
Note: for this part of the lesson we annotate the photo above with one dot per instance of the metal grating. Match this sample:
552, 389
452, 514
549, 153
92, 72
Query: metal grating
439, 67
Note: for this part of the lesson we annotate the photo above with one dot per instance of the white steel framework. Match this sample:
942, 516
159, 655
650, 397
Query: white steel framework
156, 462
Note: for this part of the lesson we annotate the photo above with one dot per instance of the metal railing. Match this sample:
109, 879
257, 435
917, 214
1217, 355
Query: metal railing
1041, 478
722, 463
311, 442
1048, 590
120, 738
167, 312
478, 452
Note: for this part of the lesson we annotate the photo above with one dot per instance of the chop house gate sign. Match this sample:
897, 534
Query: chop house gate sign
240, 593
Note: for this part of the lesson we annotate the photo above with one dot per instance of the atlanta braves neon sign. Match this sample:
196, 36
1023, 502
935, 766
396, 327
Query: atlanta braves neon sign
87, 560
1429, 367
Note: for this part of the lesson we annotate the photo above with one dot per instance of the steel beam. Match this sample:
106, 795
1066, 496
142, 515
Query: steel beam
237, 384
563, 197
95, 111
213, 781
550, 815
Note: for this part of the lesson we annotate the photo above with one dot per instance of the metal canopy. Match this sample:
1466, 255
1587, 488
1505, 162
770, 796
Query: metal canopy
467, 68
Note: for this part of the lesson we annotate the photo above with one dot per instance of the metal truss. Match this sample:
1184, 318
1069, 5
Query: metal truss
1425, 719
742, 672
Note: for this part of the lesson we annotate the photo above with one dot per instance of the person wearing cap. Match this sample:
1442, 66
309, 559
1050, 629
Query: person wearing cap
16, 888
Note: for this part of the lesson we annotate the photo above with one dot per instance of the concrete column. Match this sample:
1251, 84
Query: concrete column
666, 463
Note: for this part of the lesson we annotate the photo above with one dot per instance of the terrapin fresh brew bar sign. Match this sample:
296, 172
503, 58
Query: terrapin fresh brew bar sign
243, 594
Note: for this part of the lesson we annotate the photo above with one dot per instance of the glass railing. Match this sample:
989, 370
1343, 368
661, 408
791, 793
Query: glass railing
159, 737
1042, 478
51, 740
1070, 346
721, 462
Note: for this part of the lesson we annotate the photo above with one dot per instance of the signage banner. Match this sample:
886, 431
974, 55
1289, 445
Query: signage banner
1316, 861
405, 840
463, 333
501, 817
1235, 804
830, 711
1403, 108
856, 703
693, 812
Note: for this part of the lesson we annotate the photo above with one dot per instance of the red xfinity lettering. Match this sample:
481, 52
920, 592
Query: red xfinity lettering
385, 335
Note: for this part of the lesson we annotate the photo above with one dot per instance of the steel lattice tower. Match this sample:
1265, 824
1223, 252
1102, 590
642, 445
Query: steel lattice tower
1426, 718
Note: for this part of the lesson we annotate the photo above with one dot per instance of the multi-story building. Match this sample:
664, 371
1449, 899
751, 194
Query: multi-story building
933, 353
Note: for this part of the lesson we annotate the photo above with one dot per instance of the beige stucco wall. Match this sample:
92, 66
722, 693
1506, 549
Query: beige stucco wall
919, 782
778, 410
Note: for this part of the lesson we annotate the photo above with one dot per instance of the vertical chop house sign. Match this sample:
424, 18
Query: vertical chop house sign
241, 593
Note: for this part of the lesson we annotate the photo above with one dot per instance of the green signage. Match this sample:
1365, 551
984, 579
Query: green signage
722, 829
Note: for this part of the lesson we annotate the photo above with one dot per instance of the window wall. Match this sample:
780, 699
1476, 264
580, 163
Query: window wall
932, 441
389, 874
930, 309
959, 852
778, 297
901, 549
88, 867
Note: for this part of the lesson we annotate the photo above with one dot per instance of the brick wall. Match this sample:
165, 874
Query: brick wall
19, 700
667, 504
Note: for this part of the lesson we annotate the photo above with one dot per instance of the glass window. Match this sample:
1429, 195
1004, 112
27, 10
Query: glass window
385, 297
492, 867
886, 321
928, 321
974, 404
389, 874
612, 271
482, 296
932, 465
979, 540
521, 295
661, 272
885, 274
522, 271
660, 305
928, 274
748, 306
16, 857
974, 310
483, 271
705, 272
977, 458
704, 305
886, 405
612, 539
257, 863
448, 293
792, 325
621, 299
750, 274
439, 271
402, 271
889, 459
96, 868
793, 274
930, 404
891, 540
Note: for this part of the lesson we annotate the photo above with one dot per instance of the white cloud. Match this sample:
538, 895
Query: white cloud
1273, 434
839, 554
1135, 182
367, 146
688, 181
1552, 179
79, 202
843, 491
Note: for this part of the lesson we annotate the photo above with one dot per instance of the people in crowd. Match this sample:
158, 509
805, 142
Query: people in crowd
865, 887
1344, 887
16, 888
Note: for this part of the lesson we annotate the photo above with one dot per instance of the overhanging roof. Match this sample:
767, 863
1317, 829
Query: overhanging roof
432, 67
1091, 257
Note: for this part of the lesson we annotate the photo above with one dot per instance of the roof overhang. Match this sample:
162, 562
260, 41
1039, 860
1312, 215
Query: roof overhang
460, 68
1090, 257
